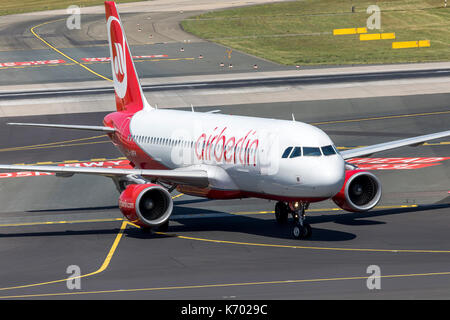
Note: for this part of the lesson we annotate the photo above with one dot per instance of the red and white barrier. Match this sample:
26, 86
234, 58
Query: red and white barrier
118, 164
397, 160
105, 59
30, 63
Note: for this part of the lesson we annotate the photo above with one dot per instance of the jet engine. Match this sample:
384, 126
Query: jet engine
361, 191
146, 205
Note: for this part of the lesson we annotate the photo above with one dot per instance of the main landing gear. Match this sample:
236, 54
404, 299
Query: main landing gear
301, 229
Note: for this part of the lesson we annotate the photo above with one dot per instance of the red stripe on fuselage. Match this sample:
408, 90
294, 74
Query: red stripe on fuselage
238, 194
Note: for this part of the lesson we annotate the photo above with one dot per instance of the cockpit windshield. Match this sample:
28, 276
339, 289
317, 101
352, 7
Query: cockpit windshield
294, 152
287, 152
328, 150
311, 152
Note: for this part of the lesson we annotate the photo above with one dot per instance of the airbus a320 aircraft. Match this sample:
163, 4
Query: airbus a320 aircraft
219, 156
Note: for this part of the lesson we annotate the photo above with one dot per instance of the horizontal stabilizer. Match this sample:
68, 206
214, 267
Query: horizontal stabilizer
65, 126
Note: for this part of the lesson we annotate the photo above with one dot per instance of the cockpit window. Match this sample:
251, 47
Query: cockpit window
311, 152
296, 153
328, 150
287, 152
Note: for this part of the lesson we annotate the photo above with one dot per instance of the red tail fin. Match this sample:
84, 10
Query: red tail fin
129, 95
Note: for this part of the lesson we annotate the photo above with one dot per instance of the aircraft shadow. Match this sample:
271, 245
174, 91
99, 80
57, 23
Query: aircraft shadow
60, 233
75, 209
362, 218
212, 221
269, 228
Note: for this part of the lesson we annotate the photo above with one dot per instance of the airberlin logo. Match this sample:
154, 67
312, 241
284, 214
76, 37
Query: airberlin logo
125, 204
220, 148
118, 55
119, 63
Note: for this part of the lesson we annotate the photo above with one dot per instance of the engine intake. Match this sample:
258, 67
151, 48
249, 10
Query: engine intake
147, 205
361, 191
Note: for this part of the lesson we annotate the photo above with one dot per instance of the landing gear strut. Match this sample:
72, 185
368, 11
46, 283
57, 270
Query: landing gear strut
301, 229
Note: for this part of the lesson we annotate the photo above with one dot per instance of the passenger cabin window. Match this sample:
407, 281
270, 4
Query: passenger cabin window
328, 150
296, 153
287, 152
311, 152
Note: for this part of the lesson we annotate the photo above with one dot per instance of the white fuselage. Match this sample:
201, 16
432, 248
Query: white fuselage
241, 153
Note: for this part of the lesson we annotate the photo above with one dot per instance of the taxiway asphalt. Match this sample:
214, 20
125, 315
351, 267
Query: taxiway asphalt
223, 249
213, 249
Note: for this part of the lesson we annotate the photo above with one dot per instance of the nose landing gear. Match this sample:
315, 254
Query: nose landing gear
301, 229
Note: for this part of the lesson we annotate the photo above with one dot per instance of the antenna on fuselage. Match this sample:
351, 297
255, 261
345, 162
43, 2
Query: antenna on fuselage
293, 118
192, 107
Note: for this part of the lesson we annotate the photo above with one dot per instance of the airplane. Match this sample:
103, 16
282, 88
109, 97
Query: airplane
218, 156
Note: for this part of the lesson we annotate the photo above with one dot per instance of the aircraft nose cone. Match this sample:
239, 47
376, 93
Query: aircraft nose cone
331, 177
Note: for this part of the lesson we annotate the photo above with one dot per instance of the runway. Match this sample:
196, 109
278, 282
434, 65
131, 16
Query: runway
240, 83
213, 249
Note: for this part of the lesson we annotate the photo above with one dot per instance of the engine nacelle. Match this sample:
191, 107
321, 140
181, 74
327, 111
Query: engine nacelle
361, 191
147, 205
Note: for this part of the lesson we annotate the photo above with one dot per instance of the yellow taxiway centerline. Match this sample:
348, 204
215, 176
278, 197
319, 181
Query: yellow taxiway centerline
299, 281
382, 118
126, 223
102, 268
105, 263
305, 247
62, 53
174, 197
51, 143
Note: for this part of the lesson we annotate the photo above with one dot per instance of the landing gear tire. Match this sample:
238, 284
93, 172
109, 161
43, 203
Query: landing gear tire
301, 231
164, 227
281, 212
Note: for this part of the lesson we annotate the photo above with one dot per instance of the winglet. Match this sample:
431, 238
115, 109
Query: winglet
128, 90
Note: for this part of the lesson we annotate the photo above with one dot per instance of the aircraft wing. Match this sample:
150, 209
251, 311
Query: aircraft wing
197, 178
415, 141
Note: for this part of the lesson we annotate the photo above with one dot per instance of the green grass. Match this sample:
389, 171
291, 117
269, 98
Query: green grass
23, 6
300, 32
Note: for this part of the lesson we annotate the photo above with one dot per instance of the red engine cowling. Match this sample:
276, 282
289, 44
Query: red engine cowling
147, 205
361, 191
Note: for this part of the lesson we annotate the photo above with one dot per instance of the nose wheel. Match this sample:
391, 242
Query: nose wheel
301, 229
